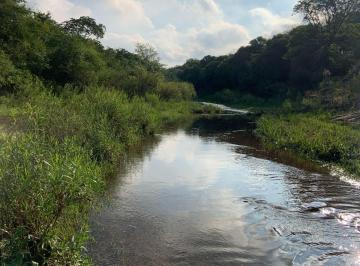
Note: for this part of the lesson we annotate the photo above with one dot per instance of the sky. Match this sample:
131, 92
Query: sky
179, 29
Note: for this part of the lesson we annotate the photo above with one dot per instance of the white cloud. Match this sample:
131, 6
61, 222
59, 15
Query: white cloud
61, 10
178, 29
125, 41
211, 6
191, 29
222, 37
218, 38
182, 14
131, 12
170, 43
272, 23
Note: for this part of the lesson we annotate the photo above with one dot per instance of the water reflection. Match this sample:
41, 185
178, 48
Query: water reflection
212, 195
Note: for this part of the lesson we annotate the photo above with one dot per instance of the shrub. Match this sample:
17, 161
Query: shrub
336, 95
139, 82
46, 188
105, 120
13, 80
177, 91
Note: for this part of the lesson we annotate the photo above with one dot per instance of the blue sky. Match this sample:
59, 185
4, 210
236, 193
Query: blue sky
179, 29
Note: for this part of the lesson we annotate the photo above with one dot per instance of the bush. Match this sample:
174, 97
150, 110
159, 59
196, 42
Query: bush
13, 80
46, 188
103, 119
139, 82
339, 95
178, 91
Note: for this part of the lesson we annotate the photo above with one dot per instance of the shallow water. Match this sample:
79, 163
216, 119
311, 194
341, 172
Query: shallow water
212, 195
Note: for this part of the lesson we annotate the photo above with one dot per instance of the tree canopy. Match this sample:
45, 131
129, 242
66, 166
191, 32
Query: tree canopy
69, 55
85, 27
149, 56
327, 15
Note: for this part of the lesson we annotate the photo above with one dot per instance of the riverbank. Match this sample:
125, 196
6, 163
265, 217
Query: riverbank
319, 136
56, 153
315, 136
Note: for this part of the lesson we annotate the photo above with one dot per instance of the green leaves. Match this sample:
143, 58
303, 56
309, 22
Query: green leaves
46, 190
85, 27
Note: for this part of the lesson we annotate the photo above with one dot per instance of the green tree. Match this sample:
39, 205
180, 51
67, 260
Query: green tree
149, 56
328, 15
85, 27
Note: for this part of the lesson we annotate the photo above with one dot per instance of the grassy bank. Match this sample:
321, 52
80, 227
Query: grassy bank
314, 136
56, 151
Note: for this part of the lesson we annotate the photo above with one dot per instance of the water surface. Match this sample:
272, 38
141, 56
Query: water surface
212, 195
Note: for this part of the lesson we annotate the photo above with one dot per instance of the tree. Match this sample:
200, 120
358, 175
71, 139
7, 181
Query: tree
149, 56
85, 27
328, 15
308, 57
330, 22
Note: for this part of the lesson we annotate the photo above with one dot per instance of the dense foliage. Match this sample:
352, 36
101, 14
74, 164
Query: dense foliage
289, 64
69, 109
70, 53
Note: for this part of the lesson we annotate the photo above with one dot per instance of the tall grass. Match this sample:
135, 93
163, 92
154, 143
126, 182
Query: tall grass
54, 168
46, 191
314, 136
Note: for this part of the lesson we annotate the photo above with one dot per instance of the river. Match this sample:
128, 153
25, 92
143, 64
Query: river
211, 194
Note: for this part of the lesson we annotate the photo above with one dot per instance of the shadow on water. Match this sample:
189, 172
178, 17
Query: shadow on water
239, 130
221, 124
131, 161
211, 194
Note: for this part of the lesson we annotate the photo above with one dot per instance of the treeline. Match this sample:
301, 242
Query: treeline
326, 48
70, 54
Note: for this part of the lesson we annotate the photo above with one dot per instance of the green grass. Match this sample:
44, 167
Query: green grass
314, 136
47, 188
55, 161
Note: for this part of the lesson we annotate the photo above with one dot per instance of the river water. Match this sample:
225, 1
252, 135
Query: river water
210, 194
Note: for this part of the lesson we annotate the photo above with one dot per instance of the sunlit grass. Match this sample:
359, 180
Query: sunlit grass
315, 136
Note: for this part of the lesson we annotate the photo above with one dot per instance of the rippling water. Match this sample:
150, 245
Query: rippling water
212, 195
